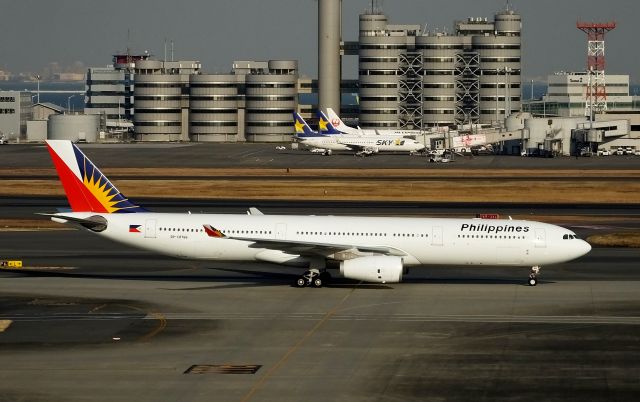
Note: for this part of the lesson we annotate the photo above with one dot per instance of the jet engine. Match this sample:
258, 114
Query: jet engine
379, 269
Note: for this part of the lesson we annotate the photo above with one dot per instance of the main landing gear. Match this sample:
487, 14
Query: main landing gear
533, 276
313, 277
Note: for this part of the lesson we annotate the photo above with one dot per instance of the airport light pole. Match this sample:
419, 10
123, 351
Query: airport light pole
69, 102
38, 92
531, 90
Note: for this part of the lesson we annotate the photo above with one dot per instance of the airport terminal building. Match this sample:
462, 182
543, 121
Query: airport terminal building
254, 102
157, 100
407, 78
15, 111
411, 78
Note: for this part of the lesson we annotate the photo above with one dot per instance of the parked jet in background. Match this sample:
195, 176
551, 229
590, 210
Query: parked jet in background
361, 144
314, 140
339, 125
324, 126
372, 249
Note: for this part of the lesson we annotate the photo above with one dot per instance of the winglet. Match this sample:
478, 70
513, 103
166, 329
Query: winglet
213, 232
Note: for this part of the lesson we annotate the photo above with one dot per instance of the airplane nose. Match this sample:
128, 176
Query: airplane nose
584, 247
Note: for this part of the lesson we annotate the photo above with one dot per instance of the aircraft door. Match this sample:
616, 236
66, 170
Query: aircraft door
540, 240
436, 238
281, 230
150, 228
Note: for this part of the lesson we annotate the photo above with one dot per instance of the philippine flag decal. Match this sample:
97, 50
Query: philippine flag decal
135, 228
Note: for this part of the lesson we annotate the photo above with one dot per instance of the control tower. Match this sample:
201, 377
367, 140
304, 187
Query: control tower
329, 65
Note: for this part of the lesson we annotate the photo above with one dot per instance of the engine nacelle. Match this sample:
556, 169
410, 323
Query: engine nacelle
379, 269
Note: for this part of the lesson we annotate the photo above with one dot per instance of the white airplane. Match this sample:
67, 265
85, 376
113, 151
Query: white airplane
361, 144
334, 120
372, 249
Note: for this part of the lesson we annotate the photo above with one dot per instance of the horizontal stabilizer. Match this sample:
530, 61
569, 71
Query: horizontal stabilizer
94, 223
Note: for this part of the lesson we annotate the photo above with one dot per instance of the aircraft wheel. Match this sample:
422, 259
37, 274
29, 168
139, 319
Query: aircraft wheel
533, 281
301, 282
317, 282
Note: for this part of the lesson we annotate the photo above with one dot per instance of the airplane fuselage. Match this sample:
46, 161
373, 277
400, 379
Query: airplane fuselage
372, 249
376, 143
420, 241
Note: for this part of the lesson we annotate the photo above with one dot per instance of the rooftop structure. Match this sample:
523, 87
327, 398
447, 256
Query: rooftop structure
109, 90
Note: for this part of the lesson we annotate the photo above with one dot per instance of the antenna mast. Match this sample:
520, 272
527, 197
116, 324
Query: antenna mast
596, 88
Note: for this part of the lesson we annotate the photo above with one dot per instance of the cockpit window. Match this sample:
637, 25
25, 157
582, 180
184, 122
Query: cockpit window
569, 236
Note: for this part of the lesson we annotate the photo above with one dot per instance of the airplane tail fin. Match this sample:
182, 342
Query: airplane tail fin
335, 120
325, 125
302, 128
87, 189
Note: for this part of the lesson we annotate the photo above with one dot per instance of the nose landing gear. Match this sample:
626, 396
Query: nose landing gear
533, 276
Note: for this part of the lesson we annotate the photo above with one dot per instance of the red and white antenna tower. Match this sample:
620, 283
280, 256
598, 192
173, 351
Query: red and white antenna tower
596, 87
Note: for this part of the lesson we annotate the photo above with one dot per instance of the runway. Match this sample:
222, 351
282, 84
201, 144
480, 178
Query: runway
110, 323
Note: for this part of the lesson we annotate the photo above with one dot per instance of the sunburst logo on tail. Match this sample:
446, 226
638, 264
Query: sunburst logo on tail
102, 191
87, 189
105, 193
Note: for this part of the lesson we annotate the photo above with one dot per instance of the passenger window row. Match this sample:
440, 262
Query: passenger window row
180, 230
490, 237
360, 234
234, 231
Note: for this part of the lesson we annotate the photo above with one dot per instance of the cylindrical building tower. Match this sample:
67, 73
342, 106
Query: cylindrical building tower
158, 103
378, 63
213, 108
329, 66
501, 65
270, 101
73, 127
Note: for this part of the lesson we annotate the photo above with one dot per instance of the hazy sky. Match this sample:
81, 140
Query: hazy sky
216, 32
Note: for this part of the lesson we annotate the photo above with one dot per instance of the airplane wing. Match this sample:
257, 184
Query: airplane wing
357, 147
308, 248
